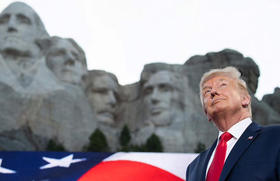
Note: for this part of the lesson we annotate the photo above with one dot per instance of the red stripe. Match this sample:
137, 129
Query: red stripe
123, 170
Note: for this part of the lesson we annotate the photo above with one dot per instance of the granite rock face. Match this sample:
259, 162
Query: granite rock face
36, 102
273, 104
197, 65
103, 93
163, 104
47, 93
273, 100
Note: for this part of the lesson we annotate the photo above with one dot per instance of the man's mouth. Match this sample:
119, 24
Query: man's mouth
107, 113
217, 101
156, 110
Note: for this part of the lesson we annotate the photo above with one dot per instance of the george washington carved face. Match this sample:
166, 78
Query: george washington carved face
20, 26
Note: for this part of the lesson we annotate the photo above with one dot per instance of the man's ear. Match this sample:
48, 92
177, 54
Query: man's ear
246, 99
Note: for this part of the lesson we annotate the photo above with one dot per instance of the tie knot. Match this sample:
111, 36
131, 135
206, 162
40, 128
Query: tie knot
226, 136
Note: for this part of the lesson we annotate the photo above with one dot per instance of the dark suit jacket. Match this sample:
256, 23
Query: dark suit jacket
255, 157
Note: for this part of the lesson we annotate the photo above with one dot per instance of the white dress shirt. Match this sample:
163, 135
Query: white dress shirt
236, 131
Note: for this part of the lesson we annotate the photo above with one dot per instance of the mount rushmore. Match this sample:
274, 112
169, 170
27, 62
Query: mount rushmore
48, 93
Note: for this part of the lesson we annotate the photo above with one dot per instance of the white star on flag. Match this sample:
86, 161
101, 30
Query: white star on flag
63, 162
5, 170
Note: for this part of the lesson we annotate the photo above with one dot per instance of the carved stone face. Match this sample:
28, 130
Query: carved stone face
161, 97
103, 98
63, 59
18, 30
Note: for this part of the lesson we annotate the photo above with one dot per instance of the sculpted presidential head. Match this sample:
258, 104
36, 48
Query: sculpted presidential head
162, 97
224, 95
102, 90
20, 26
65, 58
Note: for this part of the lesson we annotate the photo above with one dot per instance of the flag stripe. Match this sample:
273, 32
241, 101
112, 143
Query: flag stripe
175, 163
124, 170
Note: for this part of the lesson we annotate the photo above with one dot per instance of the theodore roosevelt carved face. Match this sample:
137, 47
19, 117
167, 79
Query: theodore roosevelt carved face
102, 92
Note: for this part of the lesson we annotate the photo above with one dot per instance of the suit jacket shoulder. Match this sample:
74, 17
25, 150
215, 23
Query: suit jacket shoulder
255, 156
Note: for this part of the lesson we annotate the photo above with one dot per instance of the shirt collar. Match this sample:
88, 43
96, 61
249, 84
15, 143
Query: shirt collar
237, 130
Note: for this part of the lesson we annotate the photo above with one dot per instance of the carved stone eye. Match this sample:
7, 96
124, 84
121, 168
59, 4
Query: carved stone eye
4, 18
165, 88
148, 90
58, 52
75, 55
23, 19
100, 91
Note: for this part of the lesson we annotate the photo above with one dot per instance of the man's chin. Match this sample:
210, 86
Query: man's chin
105, 119
69, 76
216, 112
161, 119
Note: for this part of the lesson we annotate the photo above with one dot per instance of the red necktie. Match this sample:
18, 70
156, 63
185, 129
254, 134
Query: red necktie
217, 164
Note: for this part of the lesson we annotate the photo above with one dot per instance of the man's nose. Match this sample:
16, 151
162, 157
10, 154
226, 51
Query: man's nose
12, 26
70, 59
155, 96
213, 92
112, 99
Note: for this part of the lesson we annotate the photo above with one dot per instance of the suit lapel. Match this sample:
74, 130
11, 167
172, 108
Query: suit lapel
205, 161
239, 148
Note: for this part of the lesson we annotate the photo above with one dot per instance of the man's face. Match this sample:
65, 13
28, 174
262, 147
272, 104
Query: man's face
63, 59
160, 97
18, 30
221, 95
103, 98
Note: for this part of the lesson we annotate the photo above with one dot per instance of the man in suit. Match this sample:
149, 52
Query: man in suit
243, 151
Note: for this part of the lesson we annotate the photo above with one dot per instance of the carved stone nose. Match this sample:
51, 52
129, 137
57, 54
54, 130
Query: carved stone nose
12, 25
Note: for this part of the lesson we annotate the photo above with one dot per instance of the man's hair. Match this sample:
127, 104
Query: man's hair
94, 74
230, 72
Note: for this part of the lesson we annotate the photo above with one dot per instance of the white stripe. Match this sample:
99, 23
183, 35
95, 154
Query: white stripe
175, 163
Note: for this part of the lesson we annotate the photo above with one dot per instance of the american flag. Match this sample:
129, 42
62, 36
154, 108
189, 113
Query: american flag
93, 166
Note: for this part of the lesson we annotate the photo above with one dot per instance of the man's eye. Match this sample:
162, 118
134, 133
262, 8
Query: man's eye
223, 85
23, 19
165, 88
148, 90
75, 55
100, 91
4, 19
59, 52
207, 91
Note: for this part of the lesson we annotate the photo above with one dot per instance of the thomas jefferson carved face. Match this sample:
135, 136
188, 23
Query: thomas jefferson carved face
161, 97
18, 30
66, 62
102, 95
